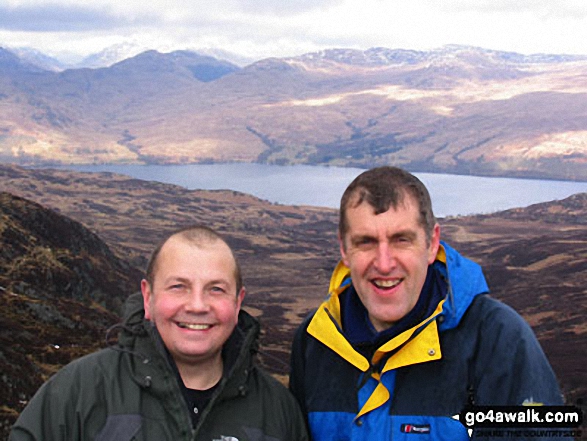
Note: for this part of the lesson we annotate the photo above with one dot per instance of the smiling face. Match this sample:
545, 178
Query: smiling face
388, 255
193, 300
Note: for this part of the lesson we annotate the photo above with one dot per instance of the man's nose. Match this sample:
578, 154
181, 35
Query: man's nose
197, 300
385, 260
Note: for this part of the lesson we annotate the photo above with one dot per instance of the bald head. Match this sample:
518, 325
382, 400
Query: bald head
198, 236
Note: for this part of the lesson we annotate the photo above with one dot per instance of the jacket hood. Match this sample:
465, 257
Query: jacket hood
465, 282
134, 311
122, 335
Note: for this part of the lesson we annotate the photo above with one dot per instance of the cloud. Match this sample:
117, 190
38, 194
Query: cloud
532, 6
263, 28
65, 18
284, 8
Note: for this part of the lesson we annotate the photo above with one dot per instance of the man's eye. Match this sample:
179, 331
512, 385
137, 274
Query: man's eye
176, 286
364, 241
218, 289
404, 239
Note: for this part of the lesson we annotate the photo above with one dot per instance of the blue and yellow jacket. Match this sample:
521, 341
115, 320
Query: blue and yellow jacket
470, 349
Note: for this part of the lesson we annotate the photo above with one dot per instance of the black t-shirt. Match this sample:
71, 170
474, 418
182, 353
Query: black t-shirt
197, 400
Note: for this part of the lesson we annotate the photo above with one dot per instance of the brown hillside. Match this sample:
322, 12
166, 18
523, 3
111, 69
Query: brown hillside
534, 258
60, 289
286, 252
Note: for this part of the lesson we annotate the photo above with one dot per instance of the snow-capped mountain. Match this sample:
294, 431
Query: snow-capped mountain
112, 55
39, 59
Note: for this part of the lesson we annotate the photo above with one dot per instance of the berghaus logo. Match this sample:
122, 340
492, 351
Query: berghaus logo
415, 428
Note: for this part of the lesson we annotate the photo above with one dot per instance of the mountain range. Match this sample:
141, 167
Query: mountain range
456, 109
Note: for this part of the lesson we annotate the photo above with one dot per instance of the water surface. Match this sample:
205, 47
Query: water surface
323, 186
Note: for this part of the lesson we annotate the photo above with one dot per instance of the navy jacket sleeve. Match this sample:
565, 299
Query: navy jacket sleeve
510, 367
298, 359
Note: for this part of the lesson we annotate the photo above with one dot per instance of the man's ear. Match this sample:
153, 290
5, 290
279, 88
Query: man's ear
239, 301
147, 294
240, 297
434, 244
342, 249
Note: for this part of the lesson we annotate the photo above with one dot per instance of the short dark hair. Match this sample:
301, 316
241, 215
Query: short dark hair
197, 235
383, 188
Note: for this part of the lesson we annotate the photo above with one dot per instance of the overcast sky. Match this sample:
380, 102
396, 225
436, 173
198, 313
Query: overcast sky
263, 28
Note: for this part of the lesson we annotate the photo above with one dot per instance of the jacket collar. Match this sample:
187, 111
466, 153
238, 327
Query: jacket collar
418, 344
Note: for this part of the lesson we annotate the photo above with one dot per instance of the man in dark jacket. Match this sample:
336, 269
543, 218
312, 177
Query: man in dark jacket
407, 338
182, 369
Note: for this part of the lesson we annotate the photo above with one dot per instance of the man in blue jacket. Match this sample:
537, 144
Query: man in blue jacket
407, 337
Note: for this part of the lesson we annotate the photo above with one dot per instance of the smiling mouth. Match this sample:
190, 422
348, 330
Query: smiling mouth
194, 326
387, 284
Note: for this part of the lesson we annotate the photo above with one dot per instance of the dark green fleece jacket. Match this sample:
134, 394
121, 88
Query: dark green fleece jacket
130, 392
